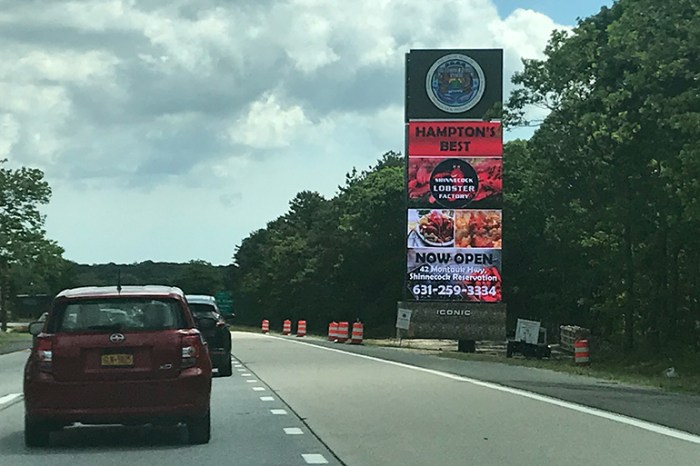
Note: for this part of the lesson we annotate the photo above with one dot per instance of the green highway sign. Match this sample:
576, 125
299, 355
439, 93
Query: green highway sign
224, 300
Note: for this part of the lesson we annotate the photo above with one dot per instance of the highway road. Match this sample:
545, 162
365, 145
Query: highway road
344, 406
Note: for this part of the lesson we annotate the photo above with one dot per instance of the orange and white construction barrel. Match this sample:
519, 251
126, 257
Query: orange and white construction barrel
332, 331
286, 327
581, 354
301, 328
357, 333
342, 335
265, 326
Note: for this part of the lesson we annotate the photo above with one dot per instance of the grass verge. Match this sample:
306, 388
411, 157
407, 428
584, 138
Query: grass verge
630, 370
11, 340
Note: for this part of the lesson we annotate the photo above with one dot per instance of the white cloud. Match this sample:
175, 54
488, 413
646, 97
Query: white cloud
66, 67
206, 104
9, 134
267, 124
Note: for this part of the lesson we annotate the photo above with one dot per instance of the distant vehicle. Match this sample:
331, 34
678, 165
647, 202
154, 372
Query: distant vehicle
218, 336
109, 355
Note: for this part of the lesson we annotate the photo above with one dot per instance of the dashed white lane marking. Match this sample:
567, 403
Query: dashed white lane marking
251, 381
293, 431
246, 374
280, 412
241, 370
7, 400
314, 458
259, 389
267, 398
630, 421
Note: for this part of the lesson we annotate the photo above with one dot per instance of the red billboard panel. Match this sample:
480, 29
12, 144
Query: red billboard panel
474, 183
455, 139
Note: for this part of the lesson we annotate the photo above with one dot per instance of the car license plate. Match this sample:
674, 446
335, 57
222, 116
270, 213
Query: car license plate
112, 360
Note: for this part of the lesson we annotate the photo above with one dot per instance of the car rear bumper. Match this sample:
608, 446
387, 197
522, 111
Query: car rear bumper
123, 401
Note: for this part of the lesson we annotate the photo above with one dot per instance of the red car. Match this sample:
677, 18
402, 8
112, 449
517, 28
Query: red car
117, 355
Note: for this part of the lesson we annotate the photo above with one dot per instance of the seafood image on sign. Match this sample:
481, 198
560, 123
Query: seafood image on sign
453, 183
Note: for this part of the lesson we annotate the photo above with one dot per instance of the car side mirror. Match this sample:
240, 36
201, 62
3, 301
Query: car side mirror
35, 328
206, 323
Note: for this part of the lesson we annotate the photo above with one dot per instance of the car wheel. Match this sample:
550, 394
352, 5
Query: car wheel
226, 369
199, 429
36, 434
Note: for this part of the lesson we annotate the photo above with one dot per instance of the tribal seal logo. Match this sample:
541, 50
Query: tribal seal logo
455, 83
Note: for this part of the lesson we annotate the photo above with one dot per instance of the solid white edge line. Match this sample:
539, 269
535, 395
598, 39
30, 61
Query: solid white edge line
8, 400
621, 418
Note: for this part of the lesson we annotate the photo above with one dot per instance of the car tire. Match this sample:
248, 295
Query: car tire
36, 434
226, 369
199, 429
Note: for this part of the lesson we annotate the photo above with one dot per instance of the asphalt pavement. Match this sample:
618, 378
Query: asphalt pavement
372, 411
675, 410
251, 426
307, 401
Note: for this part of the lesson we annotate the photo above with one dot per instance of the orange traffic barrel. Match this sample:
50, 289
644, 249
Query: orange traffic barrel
342, 335
301, 328
287, 327
265, 326
357, 333
332, 331
581, 355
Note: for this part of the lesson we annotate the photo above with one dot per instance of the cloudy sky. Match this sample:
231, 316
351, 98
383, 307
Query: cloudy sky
171, 129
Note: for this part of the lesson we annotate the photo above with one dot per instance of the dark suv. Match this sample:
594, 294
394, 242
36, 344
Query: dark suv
117, 355
215, 330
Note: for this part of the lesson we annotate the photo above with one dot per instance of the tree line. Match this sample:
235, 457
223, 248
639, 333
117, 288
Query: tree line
602, 212
329, 259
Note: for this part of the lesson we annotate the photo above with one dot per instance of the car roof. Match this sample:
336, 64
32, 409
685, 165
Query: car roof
130, 290
200, 299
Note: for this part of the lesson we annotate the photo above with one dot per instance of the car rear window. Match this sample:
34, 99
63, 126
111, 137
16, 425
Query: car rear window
200, 310
116, 314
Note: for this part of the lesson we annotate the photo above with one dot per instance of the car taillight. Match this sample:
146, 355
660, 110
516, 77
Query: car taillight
44, 354
191, 347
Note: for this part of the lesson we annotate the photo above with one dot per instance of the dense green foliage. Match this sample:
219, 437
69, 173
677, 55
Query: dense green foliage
194, 277
339, 259
602, 205
27, 258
